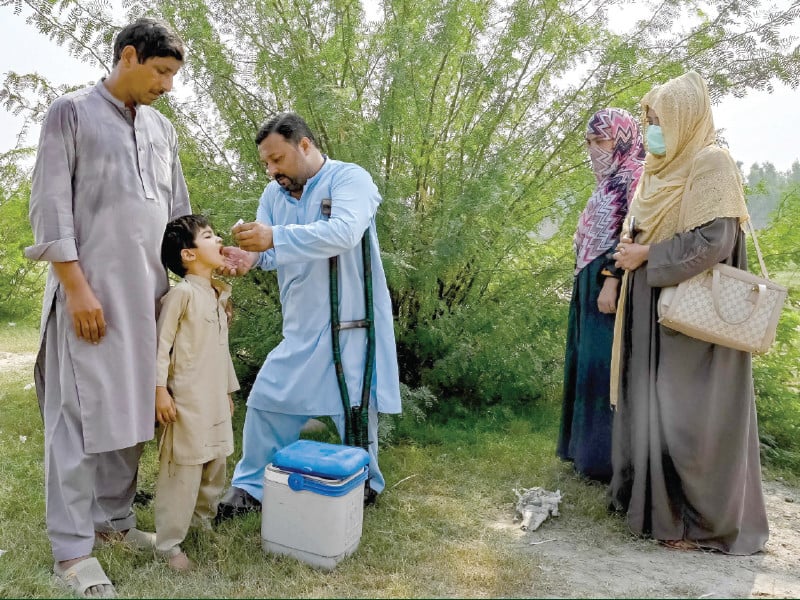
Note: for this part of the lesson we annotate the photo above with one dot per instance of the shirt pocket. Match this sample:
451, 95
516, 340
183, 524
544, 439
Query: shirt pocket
157, 172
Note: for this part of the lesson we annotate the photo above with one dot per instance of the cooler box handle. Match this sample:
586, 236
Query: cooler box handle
299, 482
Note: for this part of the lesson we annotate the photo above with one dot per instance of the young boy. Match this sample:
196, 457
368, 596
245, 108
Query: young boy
195, 379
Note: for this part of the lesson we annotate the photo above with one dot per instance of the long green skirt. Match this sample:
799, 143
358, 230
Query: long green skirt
586, 418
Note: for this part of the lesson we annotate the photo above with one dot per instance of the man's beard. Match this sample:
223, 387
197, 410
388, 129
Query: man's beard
290, 184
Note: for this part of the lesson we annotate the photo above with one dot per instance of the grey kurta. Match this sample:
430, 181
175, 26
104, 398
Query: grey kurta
685, 440
104, 186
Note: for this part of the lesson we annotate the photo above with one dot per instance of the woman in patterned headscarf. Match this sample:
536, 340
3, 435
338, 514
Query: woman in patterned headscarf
685, 448
617, 154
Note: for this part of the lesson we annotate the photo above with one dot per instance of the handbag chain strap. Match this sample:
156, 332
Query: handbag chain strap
758, 249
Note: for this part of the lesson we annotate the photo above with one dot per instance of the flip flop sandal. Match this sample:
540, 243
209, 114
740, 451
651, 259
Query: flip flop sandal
84, 575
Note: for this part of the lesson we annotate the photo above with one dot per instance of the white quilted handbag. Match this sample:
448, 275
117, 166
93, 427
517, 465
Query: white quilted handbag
725, 305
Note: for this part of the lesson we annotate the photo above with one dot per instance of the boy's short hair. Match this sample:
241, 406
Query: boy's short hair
180, 235
151, 38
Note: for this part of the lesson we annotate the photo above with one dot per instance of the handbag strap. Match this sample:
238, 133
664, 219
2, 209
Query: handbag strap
758, 249
749, 227
716, 284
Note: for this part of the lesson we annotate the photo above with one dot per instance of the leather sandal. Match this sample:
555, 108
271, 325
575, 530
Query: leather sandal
84, 576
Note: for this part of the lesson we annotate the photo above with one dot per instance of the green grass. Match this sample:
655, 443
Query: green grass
443, 527
431, 533
18, 337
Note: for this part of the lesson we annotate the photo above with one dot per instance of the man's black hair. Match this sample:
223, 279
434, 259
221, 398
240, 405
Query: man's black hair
290, 125
179, 235
151, 38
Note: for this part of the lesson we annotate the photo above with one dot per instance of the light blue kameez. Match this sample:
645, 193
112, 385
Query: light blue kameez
298, 376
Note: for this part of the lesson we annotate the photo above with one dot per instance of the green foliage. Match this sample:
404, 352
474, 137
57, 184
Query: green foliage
777, 374
767, 190
21, 281
777, 382
416, 403
256, 327
470, 116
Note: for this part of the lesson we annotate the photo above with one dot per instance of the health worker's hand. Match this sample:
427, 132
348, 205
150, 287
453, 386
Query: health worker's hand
253, 237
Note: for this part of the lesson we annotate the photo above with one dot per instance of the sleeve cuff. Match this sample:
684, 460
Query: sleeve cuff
233, 382
278, 241
64, 250
262, 262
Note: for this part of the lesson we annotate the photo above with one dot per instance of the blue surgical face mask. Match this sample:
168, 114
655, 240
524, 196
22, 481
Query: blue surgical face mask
655, 140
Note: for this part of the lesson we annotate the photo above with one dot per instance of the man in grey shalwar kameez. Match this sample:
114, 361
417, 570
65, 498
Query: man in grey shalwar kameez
107, 179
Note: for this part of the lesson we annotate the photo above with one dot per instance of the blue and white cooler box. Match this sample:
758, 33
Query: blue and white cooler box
313, 504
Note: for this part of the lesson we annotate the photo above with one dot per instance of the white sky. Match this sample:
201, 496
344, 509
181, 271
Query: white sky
760, 127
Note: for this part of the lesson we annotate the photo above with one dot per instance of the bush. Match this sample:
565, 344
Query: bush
777, 385
21, 280
417, 404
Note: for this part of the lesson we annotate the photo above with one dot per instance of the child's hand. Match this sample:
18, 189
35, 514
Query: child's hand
237, 261
165, 406
230, 402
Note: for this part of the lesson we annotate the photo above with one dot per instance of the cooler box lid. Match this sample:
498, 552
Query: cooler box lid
331, 461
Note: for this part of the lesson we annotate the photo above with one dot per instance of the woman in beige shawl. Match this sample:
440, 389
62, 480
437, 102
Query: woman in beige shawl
685, 449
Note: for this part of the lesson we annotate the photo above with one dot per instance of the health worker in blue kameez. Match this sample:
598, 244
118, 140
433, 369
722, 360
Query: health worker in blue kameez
616, 150
293, 235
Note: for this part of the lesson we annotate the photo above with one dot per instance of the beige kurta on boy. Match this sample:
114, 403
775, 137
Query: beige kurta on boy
195, 365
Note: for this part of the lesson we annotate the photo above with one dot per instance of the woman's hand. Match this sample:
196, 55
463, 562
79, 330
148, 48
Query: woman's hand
607, 300
630, 256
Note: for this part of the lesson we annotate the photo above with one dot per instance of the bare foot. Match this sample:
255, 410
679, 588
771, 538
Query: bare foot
137, 539
66, 564
180, 562
680, 544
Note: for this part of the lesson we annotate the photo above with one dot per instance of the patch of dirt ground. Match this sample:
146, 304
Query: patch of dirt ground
582, 558
16, 362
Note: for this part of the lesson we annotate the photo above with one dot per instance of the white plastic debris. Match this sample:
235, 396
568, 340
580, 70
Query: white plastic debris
23, 438
3, 552
535, 504
28, 387
12, 324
